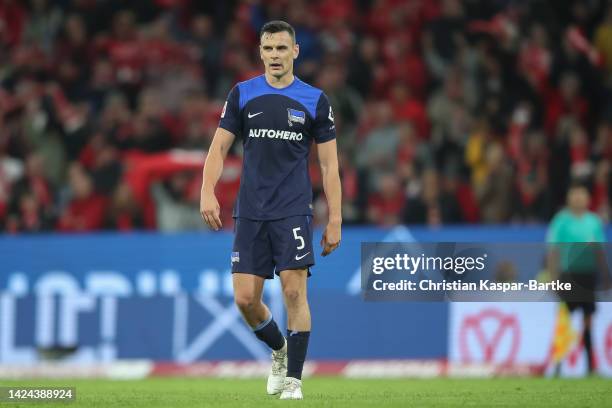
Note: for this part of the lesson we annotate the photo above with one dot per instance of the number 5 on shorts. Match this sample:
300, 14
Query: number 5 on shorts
298, 238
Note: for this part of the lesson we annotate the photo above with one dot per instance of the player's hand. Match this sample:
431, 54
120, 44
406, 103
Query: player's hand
331, 238
210, 210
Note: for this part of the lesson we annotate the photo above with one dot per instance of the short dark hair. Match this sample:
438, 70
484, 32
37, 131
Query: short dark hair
579, 183
277, 26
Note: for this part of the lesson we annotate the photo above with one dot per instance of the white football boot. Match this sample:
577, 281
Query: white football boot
278, 372
292, 389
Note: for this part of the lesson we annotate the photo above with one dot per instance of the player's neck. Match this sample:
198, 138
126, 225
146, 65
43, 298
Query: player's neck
280, 82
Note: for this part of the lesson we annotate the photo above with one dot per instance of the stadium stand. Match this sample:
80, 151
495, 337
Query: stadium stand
448, 111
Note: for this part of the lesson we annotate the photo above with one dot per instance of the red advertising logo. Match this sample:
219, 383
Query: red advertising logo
577, 352
489, 328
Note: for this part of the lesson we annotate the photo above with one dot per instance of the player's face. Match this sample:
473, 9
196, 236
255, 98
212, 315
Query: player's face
578, 199
277, 52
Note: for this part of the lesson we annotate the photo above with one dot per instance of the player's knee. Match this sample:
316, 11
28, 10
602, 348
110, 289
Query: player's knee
245, 301
293, 296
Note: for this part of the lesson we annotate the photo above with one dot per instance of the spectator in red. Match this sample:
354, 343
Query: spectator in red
466, 199
13, 18
409, 144
532, 177
385, 206
408, 108
404, 64
576, 54
86, 209
535, 58
565, 103
124, 49
123, 212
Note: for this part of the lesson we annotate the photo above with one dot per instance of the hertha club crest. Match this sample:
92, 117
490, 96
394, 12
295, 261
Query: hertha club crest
296, 116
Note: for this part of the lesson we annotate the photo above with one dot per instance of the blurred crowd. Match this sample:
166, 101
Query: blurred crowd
447, 111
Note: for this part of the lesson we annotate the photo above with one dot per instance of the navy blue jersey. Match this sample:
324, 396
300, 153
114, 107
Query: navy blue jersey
277, 127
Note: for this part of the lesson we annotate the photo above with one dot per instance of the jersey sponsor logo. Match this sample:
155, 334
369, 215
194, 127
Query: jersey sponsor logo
276, 134
331, 114
253, 115
296, 116
223, 111
235, 257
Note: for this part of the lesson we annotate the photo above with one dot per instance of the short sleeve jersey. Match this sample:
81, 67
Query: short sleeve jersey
277, 128
570, 234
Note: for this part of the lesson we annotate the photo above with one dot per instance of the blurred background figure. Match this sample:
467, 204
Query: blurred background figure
86, 208
573, 258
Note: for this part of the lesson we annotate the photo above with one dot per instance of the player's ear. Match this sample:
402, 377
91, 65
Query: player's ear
261, 52
296, 50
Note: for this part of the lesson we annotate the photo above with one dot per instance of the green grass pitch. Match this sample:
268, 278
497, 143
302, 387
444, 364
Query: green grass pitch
333, 392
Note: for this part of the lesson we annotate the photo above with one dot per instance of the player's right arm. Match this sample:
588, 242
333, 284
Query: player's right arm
229, 127
209, 205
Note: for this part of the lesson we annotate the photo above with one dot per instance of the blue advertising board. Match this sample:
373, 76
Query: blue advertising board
167, 297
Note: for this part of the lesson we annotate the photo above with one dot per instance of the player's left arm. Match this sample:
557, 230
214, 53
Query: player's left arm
324, 131
328, 159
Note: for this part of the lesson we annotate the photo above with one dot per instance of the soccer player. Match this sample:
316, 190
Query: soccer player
578, 262
278, 117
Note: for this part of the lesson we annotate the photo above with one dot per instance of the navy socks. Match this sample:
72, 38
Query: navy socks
297, 345
268, 332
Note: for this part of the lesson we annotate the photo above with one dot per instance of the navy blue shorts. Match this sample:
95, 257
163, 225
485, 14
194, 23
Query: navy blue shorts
264, 247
